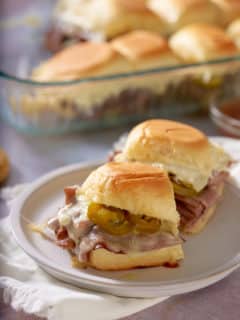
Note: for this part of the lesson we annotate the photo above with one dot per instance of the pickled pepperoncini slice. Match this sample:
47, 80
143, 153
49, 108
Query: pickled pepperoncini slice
183, 190
111, 220
119, 222
143, 224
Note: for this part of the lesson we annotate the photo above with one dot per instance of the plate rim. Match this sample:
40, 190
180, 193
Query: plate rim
29, 249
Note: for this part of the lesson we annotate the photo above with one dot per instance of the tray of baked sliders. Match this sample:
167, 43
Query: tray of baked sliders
90, 64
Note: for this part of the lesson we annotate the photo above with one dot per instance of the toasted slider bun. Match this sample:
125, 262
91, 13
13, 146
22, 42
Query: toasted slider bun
202, 42
178, 13
81, 60
180, 148
230, 9
105, 260
107, 18
144, 49
138, 188
140, 18
132, 6
201, 223
234, 31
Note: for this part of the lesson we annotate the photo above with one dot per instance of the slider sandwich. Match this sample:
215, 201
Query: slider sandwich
179, 13
123, 216
230, 9
103, 19
202, 42
144, 50
233, 31
81, 60
134, 51
196, 167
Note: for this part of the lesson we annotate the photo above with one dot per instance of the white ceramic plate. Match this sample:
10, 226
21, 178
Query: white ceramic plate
209, 257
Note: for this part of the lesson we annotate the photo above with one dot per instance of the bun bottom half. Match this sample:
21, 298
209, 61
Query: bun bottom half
205, 218
103, 259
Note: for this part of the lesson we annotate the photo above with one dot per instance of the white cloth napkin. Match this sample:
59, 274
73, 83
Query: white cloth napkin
26, 287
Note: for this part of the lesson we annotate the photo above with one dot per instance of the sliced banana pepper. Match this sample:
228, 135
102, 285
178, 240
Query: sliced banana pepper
119, 222
184, 190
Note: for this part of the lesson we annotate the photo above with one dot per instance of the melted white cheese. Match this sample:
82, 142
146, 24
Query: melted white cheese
73, 212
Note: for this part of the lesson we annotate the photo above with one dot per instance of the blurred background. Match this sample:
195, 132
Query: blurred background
62, 101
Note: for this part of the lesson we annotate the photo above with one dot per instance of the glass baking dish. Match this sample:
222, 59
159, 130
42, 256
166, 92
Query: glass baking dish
57, 107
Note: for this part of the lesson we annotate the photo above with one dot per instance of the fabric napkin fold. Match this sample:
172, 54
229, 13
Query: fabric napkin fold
26, 287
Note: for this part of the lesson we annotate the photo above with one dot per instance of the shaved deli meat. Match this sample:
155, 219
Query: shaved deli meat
70, 194
192, 208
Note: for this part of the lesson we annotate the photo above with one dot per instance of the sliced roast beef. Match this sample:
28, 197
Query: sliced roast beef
70, 194
192, 208
81, 239
218, 177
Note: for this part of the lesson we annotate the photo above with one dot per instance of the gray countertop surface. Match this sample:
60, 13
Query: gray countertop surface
33, 156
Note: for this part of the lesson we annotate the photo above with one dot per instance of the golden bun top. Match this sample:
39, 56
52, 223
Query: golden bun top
167, 130
173, 10
230, 9
139, 44
138, 6
79, 59
165, 136
138, 188
202, 42
137, 50
179, 13
234, 31
182, 150
104, 19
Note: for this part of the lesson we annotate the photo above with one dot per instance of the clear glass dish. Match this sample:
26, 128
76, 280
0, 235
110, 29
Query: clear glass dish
57, 107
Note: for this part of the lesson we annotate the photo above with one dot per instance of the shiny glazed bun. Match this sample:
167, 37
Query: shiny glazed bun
178, 13
81, 60
182, 150
145, 49
202, 42
138, 188
234, 31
